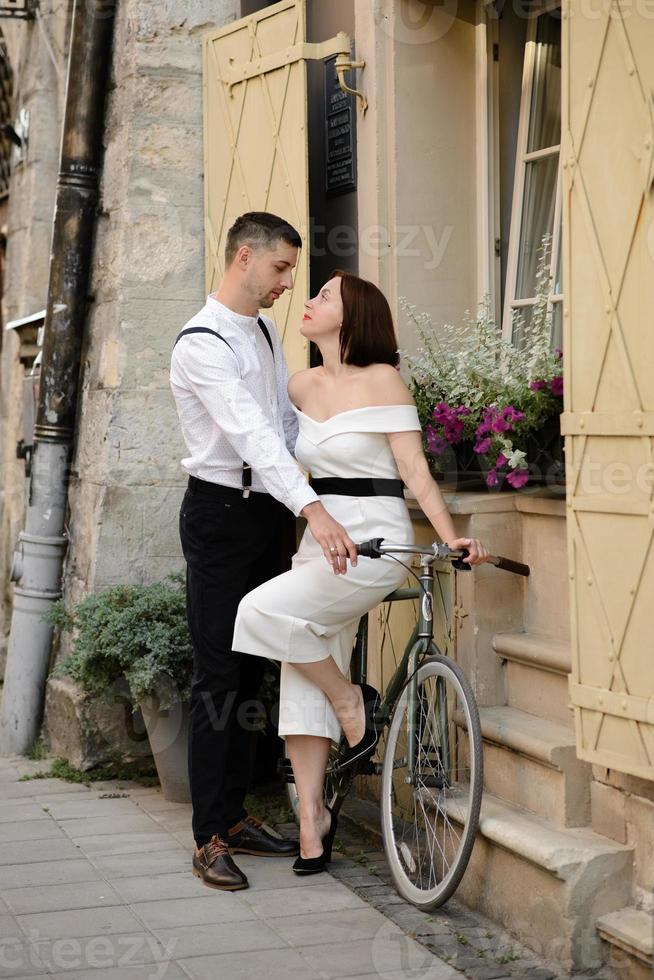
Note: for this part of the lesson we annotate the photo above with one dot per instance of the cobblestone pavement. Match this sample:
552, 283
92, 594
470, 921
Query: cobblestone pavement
464, 939
95, 883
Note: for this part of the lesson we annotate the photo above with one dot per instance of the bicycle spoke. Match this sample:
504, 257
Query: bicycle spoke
430, 814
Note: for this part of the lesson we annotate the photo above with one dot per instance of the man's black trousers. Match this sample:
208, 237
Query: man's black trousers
231, 544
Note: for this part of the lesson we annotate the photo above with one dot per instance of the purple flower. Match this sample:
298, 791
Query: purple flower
453, 431
518, 478
483, 445
501, 461
537, 385
491, 478
558, 352
505, 419
486, 425
441, 412
450, 420
435, 443
557, 386
511, 414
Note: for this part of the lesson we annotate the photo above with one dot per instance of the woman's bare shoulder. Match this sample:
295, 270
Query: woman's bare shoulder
385, 386
298, 384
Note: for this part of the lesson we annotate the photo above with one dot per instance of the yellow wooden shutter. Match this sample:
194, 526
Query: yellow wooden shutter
608, 140
255, 133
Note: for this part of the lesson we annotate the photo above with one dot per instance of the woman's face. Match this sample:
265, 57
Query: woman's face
323, 315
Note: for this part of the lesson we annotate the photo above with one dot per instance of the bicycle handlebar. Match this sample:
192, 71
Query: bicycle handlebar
375, 548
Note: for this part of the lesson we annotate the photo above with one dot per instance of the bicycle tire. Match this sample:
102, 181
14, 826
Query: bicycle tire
405, 858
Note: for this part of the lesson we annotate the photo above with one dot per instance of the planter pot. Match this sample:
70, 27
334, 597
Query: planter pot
168, 734
545, 454
461, 468
458, 468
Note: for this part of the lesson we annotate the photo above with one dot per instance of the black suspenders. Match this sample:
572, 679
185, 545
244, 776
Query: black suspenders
246, 479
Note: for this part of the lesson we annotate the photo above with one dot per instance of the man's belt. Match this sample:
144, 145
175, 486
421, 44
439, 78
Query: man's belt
357, 487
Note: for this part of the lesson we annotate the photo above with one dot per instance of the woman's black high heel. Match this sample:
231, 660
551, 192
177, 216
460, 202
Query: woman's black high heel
366, 746
328, 839
313, 866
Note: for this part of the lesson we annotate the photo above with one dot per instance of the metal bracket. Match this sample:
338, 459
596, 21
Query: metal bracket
305, 51
18, 9
343, 64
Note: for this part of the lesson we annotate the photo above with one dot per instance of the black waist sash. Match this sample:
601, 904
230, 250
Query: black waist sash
357, 487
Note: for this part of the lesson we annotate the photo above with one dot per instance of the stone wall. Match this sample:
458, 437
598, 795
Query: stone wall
39, 85
148, 280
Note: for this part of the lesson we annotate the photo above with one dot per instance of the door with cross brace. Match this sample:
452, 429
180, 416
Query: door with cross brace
608, 167
255, 135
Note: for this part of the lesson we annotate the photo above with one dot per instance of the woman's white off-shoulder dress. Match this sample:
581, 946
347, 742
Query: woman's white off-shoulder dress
308, 613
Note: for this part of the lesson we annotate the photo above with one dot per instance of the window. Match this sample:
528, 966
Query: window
536, 201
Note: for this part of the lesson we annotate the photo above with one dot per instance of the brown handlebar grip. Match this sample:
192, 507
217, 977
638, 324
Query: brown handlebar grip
511, 566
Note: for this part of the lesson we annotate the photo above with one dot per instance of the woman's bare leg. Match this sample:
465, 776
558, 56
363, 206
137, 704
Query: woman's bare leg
308, 755
346, 698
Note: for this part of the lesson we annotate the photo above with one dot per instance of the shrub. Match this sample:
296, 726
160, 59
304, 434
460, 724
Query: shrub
138, 632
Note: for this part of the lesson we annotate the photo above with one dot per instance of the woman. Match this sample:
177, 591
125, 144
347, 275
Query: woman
359, 429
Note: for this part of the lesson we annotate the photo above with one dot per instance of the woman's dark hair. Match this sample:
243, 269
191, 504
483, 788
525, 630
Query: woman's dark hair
368, 333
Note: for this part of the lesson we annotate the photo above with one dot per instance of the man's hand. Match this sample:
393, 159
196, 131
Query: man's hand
332, 538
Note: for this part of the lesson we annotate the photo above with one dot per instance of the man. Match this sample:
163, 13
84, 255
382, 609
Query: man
229, 378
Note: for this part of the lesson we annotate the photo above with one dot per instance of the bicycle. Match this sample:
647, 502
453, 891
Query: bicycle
432, 768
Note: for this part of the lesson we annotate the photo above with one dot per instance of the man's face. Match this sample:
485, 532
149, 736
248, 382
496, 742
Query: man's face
269, 273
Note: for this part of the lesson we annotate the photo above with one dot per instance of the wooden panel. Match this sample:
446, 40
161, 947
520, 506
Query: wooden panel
256, 145
608, 139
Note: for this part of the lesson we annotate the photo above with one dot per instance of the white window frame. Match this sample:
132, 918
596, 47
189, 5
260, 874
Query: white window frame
489, 281
522, 158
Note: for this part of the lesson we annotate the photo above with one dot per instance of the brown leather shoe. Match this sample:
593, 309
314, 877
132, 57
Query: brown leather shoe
213, 864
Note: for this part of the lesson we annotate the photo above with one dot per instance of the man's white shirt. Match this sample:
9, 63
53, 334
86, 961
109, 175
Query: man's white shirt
233, 405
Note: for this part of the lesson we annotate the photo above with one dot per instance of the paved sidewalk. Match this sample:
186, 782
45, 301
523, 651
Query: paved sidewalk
96, 882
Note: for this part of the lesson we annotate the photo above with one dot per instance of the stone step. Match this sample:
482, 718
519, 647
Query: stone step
547, 696
532, 762
628, 933
537, 674
546, 884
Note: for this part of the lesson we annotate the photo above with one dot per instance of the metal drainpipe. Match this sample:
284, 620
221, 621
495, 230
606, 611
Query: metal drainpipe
38, 562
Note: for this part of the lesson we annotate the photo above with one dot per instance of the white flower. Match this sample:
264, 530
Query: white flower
517, 459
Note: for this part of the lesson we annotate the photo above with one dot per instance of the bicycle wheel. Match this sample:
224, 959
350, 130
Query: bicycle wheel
336, 786
429, 822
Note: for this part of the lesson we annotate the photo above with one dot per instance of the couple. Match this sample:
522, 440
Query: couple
353, 425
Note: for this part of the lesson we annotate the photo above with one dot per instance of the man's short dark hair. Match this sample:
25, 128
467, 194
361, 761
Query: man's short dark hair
259, 230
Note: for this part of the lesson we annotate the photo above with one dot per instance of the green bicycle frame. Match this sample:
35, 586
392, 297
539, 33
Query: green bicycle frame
420, 642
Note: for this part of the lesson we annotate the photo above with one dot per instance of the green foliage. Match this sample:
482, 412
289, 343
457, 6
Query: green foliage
138, 632
270, 807
37, 750
474, 367
62, 769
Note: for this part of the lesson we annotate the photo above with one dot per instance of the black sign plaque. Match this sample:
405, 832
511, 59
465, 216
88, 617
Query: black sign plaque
340, 157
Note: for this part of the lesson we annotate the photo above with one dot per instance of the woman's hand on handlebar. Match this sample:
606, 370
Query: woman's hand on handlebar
477, 553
